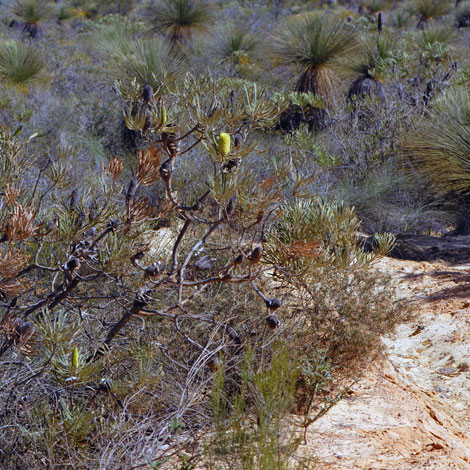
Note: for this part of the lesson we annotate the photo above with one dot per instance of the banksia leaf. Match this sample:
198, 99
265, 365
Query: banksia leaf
224, 144
75, 359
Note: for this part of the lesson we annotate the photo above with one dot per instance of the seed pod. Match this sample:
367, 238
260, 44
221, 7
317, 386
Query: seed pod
224, 144
273, 304
75, 359
272, 321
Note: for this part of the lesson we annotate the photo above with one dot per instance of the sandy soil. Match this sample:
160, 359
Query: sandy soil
412, 410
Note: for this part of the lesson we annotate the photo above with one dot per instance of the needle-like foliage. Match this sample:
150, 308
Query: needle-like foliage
235, 45
19, 62
314, 44
179, 19
440, 150
150, 61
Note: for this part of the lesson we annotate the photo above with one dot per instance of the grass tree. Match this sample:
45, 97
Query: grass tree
19, 62
180, 19
440, 149
429, 10
234, 46
31, 13
314, 44
150, 61
369, 68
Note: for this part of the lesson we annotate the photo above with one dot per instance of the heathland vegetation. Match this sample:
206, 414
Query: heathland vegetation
193, 195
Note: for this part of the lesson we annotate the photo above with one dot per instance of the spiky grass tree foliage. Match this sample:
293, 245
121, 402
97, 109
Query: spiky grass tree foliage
462, 15
234, 45
179, 19
378, 56
31, 13
440, 149
150, 61
429, 10
19, 62
314, 44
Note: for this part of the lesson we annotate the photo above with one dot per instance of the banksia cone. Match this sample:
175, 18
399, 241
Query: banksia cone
224, 144
170, 143
272, 321
75, 359
213, 363
166, 170
72, 263
273, 304
147, 94
255, 255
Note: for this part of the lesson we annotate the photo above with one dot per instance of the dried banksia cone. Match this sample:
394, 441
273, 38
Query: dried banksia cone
170, 143
272, 321
273, 304
213, 363
147, 93
72, 263
155, 269
238, 260
75, 359
166, 170
255, 255
224, 144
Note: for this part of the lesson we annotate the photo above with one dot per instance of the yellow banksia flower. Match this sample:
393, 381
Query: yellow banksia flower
75, 359
224, 144
163, 116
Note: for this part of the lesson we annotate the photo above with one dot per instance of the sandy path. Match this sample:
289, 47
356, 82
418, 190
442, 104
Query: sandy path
412, 411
